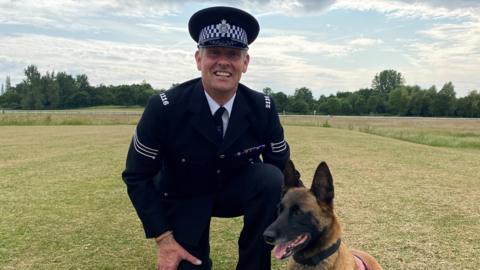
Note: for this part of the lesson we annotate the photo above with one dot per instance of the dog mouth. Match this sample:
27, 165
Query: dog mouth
285, 249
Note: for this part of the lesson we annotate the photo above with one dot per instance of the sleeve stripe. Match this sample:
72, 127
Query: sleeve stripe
278, 146
142, 149
140, 152
143, 146
278, 143
279, 150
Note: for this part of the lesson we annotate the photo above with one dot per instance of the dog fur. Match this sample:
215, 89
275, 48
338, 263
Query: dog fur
307, 226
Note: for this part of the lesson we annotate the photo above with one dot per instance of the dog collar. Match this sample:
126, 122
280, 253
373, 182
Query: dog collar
311, 261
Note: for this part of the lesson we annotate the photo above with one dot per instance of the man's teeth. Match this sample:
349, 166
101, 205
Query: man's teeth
221, 73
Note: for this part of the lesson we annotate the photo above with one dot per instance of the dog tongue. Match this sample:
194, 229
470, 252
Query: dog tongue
280, 250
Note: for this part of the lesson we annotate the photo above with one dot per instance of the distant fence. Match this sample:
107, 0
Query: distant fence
70, 112
118, 116
285, 116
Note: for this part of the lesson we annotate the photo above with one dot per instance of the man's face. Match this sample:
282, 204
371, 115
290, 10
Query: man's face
221, 67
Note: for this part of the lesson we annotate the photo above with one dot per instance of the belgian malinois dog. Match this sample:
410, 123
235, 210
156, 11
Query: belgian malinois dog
308, 228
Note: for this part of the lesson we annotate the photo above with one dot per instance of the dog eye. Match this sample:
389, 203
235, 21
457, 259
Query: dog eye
279, 208
295, 210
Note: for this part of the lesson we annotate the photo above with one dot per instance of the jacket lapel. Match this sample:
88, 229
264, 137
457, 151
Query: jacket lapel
238, 122
202, 119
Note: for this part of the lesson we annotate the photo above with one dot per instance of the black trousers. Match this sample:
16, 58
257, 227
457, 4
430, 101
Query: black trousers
253, 193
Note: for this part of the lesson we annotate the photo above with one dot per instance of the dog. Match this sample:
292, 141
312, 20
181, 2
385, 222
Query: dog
307, 229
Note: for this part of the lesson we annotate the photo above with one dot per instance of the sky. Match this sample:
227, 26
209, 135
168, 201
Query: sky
325, 45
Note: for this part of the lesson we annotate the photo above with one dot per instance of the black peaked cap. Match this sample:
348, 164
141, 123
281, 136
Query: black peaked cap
214, 15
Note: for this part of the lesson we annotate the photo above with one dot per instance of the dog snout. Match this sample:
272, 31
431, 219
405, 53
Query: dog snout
269, 236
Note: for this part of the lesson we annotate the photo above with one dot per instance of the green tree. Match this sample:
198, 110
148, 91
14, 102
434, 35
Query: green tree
304, 96
78, 99
444, 102
376, 103
330, 105
267, 91
387, 80
67, 86
398, 101
358, 101
469, 106
281, 101
50, 92
296, 105
31, 91
8, 84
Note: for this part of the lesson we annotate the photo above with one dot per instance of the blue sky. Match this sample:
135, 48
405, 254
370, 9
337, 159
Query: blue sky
327, 46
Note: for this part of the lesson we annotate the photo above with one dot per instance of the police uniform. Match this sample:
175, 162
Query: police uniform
179, 174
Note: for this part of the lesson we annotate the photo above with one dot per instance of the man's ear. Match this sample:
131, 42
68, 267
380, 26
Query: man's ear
291, 177
322, 185
245, 62
198, 60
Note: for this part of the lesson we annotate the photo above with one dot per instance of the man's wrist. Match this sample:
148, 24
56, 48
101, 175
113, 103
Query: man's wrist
163, 236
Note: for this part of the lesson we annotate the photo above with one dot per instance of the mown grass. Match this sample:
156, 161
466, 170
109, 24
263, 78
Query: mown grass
69, 118
64, 206
444, 132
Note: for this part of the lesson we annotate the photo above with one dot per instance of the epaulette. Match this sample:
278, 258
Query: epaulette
267, 102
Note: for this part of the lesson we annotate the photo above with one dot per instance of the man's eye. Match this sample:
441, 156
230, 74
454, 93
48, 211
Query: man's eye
234, 55
214, 53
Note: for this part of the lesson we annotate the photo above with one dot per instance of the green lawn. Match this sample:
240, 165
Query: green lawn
64, 206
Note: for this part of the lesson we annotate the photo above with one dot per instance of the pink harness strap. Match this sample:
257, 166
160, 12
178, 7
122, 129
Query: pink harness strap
361, 265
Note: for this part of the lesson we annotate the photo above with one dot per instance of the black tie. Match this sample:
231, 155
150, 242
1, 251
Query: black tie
219, 122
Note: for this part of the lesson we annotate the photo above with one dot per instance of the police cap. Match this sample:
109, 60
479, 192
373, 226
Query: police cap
223, 27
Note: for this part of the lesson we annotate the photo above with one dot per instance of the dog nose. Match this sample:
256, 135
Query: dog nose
269, 236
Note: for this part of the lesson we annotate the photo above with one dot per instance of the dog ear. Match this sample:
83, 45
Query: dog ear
322, 185
291, 177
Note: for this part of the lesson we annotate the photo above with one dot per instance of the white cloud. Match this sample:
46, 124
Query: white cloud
453, 55
61, 14
163, 28
413, 9
104, 62
365, 42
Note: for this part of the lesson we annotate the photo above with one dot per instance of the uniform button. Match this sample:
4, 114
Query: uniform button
219, 171
221, 156
183, 160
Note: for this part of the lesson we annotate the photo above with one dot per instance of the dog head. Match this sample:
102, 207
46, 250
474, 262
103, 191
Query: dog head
303, 214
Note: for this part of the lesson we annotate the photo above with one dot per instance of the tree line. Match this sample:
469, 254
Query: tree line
63, 91
388, 95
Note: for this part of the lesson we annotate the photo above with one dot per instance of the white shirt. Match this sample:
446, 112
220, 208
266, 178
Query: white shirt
228, 109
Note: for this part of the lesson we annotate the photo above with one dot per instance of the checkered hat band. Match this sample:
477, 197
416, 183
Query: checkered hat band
222, 30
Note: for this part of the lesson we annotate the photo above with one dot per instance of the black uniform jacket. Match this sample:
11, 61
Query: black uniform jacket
175, 166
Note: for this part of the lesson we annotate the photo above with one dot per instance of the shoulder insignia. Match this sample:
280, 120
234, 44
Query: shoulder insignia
164, 99
267, 102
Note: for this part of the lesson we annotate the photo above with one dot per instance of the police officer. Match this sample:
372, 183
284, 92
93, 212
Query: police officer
196, 151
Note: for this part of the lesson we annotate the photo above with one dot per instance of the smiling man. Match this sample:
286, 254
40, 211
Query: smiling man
210, 147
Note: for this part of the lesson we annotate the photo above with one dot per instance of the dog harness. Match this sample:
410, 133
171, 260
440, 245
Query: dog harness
361, 265
312, 261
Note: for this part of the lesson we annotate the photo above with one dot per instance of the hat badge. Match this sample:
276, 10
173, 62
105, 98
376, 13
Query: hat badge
223, 27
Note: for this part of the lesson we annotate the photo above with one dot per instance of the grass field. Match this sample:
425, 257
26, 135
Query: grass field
446, 132
64, 206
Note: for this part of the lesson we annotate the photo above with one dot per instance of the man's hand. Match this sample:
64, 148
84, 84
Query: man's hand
170, 253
